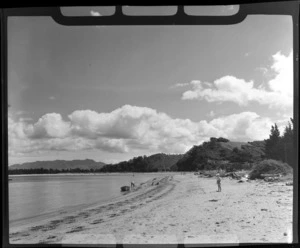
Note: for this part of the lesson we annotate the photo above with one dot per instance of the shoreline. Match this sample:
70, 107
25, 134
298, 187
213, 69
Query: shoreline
96, 174
141, 189
179, 209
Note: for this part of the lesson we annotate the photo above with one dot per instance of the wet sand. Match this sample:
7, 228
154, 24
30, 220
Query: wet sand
174, 209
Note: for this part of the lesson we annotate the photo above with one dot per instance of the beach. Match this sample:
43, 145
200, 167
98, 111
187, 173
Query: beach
172, 209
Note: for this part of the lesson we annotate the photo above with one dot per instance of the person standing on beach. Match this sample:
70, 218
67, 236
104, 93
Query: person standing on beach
132, 184
219, 183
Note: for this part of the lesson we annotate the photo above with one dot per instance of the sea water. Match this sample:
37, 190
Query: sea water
35, 195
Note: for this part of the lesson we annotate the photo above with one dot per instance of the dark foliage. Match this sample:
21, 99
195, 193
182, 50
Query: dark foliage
269, 166
216, 154
48, 171
281, 147
153, 163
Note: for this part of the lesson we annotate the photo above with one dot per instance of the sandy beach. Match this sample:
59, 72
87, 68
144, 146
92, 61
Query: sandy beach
173, 209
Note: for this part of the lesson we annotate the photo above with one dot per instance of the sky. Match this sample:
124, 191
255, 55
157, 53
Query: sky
115, 92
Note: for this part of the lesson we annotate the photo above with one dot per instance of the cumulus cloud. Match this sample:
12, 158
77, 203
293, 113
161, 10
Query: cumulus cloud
243, 126
49, 126
283, 81
128, 129
231, 89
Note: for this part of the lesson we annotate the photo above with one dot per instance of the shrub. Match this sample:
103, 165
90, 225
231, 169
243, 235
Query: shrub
221, 139
270, 166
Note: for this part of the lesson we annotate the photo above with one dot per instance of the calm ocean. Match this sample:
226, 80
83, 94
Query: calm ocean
31, 196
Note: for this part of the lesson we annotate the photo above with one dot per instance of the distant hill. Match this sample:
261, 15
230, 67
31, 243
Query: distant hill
86, 164
156, 162
207, 155
163, 161
256, 148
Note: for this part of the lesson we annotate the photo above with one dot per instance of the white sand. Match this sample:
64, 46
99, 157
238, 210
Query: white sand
181, 209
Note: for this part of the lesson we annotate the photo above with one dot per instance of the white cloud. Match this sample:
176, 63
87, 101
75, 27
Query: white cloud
49, 126
245, 126
283, 67
94, 13
128, 129
180, 85
193, 83
232, 89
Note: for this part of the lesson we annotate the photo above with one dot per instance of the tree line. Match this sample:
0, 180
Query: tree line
281, 147
137, 164
50, 171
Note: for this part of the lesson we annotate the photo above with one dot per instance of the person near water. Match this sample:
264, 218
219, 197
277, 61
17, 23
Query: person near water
219, 183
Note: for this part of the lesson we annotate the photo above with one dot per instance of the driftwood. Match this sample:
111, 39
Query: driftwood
271, 179
233, 175
270, 175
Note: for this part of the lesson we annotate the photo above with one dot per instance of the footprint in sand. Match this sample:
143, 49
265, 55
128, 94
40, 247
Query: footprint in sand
97, 221
113, 215
37, 228
15, 240
76, 229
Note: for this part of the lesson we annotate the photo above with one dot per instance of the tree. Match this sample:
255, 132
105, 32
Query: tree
240, 156
273, 144
287, 143
288, 132
281, 147
194, 159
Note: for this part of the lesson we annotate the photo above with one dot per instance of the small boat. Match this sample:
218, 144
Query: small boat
125, 188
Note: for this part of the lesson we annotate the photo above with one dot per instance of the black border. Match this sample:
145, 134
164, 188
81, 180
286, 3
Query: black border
180, 18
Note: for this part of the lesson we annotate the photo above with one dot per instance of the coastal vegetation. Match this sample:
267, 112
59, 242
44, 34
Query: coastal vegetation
269, 166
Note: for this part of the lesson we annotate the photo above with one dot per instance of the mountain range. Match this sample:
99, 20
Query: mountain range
59, 165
